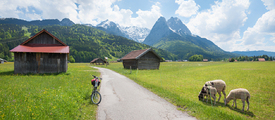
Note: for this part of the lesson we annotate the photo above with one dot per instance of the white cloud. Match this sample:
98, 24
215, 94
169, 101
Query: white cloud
187, 8
98, 11
270, 4
256, 36
147, 18
221, 23
87, 11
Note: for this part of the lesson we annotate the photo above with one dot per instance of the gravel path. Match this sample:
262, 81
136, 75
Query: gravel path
123, 99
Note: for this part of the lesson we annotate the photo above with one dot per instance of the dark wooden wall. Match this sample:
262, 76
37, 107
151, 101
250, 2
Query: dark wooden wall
149, 61
40, 63
44, 38
99, 61
128, 63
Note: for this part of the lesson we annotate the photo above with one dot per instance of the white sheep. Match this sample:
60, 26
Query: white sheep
219, 85
239, 93
208, 91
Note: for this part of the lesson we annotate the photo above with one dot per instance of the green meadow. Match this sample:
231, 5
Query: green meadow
47, 96
181, 82
67, 95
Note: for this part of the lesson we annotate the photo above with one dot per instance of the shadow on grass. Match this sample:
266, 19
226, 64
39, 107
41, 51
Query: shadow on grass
249, 113
212, 104
28, 74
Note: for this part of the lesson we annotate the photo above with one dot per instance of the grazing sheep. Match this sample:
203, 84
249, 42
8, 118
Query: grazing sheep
219, 85
239, 93
208, 91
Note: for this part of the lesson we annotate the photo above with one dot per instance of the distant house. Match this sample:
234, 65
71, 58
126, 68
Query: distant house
205, 60
42, 53
2, 61
142, 59
261, 59
98, 61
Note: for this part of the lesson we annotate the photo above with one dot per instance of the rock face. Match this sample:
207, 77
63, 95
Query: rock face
177, 26
159, 30
163, 28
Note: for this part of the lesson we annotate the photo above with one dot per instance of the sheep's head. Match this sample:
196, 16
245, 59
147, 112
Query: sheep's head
201, 93
200, 96
226, 101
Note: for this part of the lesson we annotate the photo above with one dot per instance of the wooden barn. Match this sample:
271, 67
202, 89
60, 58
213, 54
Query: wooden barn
142, 59
42, 53
98, 61
261, 59
1, 61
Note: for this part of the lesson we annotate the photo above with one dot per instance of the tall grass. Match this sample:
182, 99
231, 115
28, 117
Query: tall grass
47, 96
181, 82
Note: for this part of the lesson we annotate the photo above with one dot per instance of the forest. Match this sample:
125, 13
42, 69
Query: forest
86, 43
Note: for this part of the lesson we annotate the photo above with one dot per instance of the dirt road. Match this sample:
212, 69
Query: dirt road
124, 99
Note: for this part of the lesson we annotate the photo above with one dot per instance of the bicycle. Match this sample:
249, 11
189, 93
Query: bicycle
96, 96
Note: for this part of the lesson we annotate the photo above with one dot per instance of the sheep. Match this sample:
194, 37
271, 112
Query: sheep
219, 85
208, 91
239, 93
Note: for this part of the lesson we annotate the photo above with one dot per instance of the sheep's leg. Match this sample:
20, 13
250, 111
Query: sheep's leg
247, 104
224, 94
214, 97
243, 104
219, 96
235, 103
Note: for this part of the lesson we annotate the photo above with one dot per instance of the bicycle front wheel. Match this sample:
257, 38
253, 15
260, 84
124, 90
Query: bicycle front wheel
96, 97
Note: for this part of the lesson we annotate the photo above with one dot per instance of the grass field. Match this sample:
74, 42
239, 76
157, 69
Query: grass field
181, 82
47, 96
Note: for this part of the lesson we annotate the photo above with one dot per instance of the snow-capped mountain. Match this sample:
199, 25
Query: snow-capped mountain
135, 33
110, 27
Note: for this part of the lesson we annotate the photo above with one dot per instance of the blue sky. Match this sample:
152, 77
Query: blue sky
233, 25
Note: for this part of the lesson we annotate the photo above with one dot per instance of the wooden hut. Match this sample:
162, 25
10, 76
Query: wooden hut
98, 61
2, 61
42, 53
261, 59
142, 59
205, 60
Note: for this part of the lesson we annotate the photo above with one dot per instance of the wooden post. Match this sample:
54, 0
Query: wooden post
130, 69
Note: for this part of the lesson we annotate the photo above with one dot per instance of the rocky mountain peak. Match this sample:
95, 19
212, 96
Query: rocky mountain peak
159, 30
177, 26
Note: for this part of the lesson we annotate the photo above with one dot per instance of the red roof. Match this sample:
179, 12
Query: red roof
44, 49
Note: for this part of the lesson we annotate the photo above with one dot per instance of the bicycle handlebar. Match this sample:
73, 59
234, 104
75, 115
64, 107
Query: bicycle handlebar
96, 77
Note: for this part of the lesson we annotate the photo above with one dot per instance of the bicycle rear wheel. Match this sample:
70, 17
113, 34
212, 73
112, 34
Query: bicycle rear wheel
96, 97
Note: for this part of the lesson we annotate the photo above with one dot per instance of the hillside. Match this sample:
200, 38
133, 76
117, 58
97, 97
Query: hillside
86, 43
